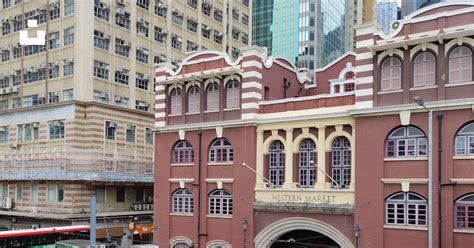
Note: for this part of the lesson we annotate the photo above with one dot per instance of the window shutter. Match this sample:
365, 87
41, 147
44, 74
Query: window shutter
213, 100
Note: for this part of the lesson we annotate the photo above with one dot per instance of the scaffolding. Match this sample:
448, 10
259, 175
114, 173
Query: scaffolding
76, 164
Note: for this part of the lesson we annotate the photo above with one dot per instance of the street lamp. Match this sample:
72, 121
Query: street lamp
244, 227
419, 101
356, 231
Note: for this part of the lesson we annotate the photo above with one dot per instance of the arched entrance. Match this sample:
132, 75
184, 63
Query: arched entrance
298, 231
304, 239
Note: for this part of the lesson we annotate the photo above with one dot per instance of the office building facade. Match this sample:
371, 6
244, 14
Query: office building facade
410, 6
309, 33
386, 13
275, 26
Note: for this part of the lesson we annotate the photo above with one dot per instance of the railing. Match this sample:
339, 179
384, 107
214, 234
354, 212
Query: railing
75, 166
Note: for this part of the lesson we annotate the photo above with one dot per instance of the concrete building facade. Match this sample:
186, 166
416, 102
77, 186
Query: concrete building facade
76, 114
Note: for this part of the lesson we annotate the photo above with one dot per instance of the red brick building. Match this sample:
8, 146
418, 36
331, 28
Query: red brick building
429, 54
244, 152
255, 153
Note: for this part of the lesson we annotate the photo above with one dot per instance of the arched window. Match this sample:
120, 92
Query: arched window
341, 162
460, 65
307, 169
182, 201
276, 163
408, 209
181, 245
233, 94
406, 142
464, 142
183, 152
221, 151
424, 69
175, 102
220, 202
464, 208
194, 100
213, 97
217, 244
391, 74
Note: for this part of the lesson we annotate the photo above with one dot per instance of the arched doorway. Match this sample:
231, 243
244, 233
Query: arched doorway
299, 229
304, 239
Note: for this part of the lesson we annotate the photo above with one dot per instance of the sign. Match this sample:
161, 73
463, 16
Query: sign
310, 199
40, 38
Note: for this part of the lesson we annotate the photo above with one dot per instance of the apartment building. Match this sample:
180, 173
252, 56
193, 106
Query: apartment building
76, 114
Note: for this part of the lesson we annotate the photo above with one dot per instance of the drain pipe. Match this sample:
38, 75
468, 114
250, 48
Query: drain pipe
440, 152
198, 235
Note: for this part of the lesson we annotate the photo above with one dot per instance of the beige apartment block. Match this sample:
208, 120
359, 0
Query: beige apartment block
76, 115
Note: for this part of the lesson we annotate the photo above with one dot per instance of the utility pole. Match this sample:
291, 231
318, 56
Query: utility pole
420, 102
93, 221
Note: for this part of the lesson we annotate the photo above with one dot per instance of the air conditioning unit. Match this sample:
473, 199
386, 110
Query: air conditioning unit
13, 73
42, 9
16, 45
35, 125
119, 98
120, 11
143, 104
57, 123
112, 124
130, 127
119, 69
137, 207
179, 39
8, 203
107, 36
14, 18
121, 2
107, 6
146, 77
3, 129
41, 66
31, 69
56, 63
4, 91
127, 44
14, 89
103, 95
141, 20
164, 31
35, 226
56, 93
13, 145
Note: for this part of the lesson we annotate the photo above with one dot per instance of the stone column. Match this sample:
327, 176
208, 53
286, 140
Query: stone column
259, 166
289, 159
352, 184
321, 160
